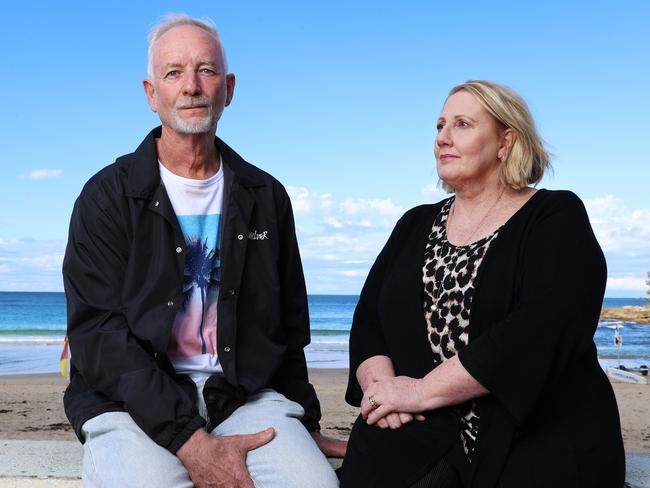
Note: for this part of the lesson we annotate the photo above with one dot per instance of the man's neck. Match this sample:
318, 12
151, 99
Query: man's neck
188, 155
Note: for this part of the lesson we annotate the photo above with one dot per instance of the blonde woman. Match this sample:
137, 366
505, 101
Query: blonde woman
471, 351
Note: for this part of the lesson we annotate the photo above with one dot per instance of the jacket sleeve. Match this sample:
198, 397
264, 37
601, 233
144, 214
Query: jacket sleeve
562, 278
366, 335
292, 379
108, 357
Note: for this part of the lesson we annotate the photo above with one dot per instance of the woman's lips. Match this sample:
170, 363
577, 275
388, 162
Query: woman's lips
446, 157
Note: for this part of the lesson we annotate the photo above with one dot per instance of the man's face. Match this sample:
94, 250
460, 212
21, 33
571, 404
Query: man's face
189, 87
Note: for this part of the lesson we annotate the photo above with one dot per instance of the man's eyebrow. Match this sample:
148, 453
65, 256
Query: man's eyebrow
174, 64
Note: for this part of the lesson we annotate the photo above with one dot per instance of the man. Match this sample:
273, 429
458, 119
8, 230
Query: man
187, 312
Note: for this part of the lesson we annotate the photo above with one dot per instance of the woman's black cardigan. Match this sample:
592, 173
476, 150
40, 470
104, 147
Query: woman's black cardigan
551, 418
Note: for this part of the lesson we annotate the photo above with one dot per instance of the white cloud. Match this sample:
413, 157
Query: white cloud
619, 230
340, 238
627, 283
432, 193
42, 174
346, 213
354, 273
31, 265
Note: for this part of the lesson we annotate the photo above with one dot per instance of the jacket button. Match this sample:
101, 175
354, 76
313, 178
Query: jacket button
179, 250
226, 349
170, 303
240, 237
156, 203
232, 292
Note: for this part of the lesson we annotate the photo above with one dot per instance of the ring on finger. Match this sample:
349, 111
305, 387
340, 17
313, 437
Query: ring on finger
372, 402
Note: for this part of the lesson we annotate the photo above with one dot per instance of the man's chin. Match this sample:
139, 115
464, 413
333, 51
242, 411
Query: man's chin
193, 127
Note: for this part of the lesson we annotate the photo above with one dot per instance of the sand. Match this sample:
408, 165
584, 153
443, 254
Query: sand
31, 408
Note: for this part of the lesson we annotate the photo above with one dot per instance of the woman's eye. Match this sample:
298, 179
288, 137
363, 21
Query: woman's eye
439, 127
462, 123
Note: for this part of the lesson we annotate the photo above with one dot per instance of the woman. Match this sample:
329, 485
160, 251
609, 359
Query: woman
471, 351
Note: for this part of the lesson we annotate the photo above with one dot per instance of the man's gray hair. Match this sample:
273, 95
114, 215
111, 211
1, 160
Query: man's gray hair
169, 21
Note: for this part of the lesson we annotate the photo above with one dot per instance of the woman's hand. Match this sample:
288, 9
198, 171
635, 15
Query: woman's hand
396, 420
391, 402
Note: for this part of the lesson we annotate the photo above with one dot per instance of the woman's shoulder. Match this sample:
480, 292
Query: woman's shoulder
557, 200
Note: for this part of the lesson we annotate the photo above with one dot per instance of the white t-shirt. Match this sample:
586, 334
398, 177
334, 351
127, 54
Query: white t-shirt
197, 204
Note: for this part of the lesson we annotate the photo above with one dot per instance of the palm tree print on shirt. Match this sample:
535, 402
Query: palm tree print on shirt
201, 272
194, 332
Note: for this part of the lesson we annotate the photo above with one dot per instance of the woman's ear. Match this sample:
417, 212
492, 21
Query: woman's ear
508, 138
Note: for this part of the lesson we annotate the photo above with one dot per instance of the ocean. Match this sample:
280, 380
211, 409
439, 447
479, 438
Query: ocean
32, 326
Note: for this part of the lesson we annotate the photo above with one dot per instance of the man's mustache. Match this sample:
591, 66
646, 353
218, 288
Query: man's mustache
193, 102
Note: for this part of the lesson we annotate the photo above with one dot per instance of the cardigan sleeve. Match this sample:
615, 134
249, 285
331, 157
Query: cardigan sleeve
366, 335
562, 275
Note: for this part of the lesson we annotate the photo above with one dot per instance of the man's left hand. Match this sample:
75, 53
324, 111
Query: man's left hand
329, 446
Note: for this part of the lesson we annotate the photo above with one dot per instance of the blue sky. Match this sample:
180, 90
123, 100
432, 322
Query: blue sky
336, 99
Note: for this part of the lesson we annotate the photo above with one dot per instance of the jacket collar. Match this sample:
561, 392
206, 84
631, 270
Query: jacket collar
143, 174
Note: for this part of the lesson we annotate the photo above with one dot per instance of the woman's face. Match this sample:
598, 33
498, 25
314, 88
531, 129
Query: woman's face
469, 143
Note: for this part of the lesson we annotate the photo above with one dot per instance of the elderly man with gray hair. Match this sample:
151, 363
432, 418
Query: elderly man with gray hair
187, 309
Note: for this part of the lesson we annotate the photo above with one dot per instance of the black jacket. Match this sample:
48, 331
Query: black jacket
551, 417
123, 277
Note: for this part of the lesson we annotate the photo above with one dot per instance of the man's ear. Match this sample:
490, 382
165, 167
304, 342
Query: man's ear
230, 88
150, 91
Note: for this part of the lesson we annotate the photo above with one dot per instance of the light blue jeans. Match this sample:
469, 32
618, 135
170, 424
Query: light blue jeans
117, 453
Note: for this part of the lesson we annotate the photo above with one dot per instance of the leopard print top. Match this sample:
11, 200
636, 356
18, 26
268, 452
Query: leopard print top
448, 275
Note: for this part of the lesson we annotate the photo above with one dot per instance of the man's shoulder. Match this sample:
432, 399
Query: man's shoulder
105, 181
134, 173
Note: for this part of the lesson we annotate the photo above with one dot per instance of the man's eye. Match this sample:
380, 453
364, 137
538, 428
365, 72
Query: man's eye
206, 71
172, 74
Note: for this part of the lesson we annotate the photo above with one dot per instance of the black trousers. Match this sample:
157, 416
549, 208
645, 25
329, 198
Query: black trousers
401, 458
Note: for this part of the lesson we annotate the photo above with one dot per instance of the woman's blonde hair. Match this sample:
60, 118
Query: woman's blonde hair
527, 159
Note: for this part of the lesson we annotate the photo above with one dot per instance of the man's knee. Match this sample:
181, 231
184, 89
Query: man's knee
293, 471
118, 453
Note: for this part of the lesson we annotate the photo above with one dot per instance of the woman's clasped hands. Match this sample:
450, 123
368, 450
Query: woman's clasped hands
392, 402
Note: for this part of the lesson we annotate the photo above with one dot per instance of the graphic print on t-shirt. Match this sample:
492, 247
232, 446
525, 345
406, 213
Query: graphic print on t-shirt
195, 328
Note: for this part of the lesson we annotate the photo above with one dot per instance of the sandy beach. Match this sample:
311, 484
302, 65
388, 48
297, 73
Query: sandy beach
31, 408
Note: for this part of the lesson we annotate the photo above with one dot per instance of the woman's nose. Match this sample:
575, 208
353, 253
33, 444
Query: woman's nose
443, 138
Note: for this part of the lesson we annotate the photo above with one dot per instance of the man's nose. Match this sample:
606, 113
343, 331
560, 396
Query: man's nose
191, 85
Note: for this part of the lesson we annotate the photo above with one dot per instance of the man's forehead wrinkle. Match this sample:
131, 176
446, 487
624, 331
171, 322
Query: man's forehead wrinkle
170, 54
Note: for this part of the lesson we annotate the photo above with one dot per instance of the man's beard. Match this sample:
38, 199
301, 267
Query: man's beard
201, 125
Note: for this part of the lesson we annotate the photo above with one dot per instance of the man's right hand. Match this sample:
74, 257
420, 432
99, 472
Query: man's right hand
220, 461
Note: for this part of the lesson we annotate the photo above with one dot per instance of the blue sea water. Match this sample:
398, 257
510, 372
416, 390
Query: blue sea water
32, 326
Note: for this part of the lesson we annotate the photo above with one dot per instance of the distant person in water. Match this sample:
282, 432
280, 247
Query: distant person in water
471, 350
187, 309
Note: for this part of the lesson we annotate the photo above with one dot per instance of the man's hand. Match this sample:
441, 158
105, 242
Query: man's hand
329, 446
220, 461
